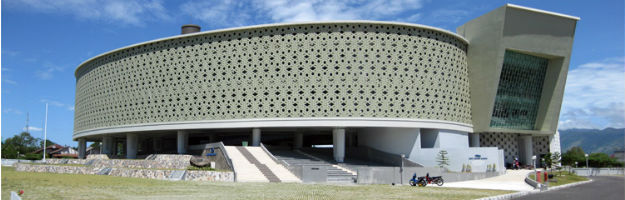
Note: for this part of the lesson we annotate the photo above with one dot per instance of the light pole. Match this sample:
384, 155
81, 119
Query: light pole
45, 134
586, 155
575, 164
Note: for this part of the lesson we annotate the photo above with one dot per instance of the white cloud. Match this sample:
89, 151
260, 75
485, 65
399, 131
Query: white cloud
58, 104
132, 12
48, 71
220, 13
238, 13
32, 128
595, 96
9, 81
294, 11
11, 110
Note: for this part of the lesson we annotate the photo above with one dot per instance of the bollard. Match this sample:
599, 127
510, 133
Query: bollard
546, 176
538, 177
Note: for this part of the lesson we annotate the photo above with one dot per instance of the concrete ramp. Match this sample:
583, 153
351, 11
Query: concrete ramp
277, 169
253, 164
245, 171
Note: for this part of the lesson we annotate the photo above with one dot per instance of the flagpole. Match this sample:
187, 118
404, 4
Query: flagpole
45, 134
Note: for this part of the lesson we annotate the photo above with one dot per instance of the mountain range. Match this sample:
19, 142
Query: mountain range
593, 140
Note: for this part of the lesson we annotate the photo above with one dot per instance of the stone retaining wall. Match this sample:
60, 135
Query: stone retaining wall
65, 161
209, 176
141, 173
126, 172
56, 169
146, 164
97, 156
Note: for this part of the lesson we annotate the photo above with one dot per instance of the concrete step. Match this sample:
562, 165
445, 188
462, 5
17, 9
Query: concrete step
245, 171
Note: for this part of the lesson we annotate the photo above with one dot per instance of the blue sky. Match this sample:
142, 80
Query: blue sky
44, 41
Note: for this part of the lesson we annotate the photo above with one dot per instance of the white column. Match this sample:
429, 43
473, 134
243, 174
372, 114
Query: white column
82, 148
338, 140
298, 140
183, 142
256, 137
107, 145
131, 145
525, 149
475, 140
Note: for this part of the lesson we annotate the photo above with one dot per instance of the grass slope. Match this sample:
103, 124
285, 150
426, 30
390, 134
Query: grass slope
73, 186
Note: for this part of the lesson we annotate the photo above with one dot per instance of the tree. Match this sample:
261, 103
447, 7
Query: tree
24, 142
575, 154
548, 160
442, 159
48, 143
556, 158
95, 145
9, 151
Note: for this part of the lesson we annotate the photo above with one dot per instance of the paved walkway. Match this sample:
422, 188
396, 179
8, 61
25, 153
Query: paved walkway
601, 188
512, 180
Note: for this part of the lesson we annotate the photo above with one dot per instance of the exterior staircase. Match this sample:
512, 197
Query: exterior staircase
253, 164
335, 174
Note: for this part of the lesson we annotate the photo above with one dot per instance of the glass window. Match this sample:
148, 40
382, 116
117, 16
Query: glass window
519, 90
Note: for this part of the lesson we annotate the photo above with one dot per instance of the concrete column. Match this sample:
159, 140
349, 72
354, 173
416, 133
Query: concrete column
82, 148
298, 140
338, 140
183, 142
131, 145
256, 137
526, 149
474, 140
107, 145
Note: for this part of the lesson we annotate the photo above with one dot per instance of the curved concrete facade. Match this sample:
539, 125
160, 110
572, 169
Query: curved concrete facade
343, 73
401, 89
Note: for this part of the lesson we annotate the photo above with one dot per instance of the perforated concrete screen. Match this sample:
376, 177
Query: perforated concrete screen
281, 71
519, 90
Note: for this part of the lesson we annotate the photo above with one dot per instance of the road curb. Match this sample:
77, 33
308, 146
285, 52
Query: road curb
523, 193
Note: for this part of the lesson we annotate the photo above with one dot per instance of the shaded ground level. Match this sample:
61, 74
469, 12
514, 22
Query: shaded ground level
72, 186
602, 187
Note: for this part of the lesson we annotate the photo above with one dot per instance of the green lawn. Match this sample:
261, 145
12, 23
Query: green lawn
562, 178
73, 186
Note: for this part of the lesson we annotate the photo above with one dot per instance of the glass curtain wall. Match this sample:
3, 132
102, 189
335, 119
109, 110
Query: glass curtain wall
519, 91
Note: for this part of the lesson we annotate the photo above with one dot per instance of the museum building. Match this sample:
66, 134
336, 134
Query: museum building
492, 90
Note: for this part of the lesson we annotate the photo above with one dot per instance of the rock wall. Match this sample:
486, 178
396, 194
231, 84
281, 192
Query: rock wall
142, 173
65, 161
144, 164
97, 156
128, 172
209, 176
56, 169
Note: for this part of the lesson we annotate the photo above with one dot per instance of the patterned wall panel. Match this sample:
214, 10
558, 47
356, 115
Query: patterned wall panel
509, 142
540, 144
282, 71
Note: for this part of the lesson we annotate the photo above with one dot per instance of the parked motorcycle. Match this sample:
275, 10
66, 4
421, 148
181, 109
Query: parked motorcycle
422, 181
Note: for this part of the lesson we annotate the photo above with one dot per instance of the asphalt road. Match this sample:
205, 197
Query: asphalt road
601, 188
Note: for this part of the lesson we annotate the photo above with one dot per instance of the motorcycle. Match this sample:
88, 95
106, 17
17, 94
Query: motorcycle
422, 181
